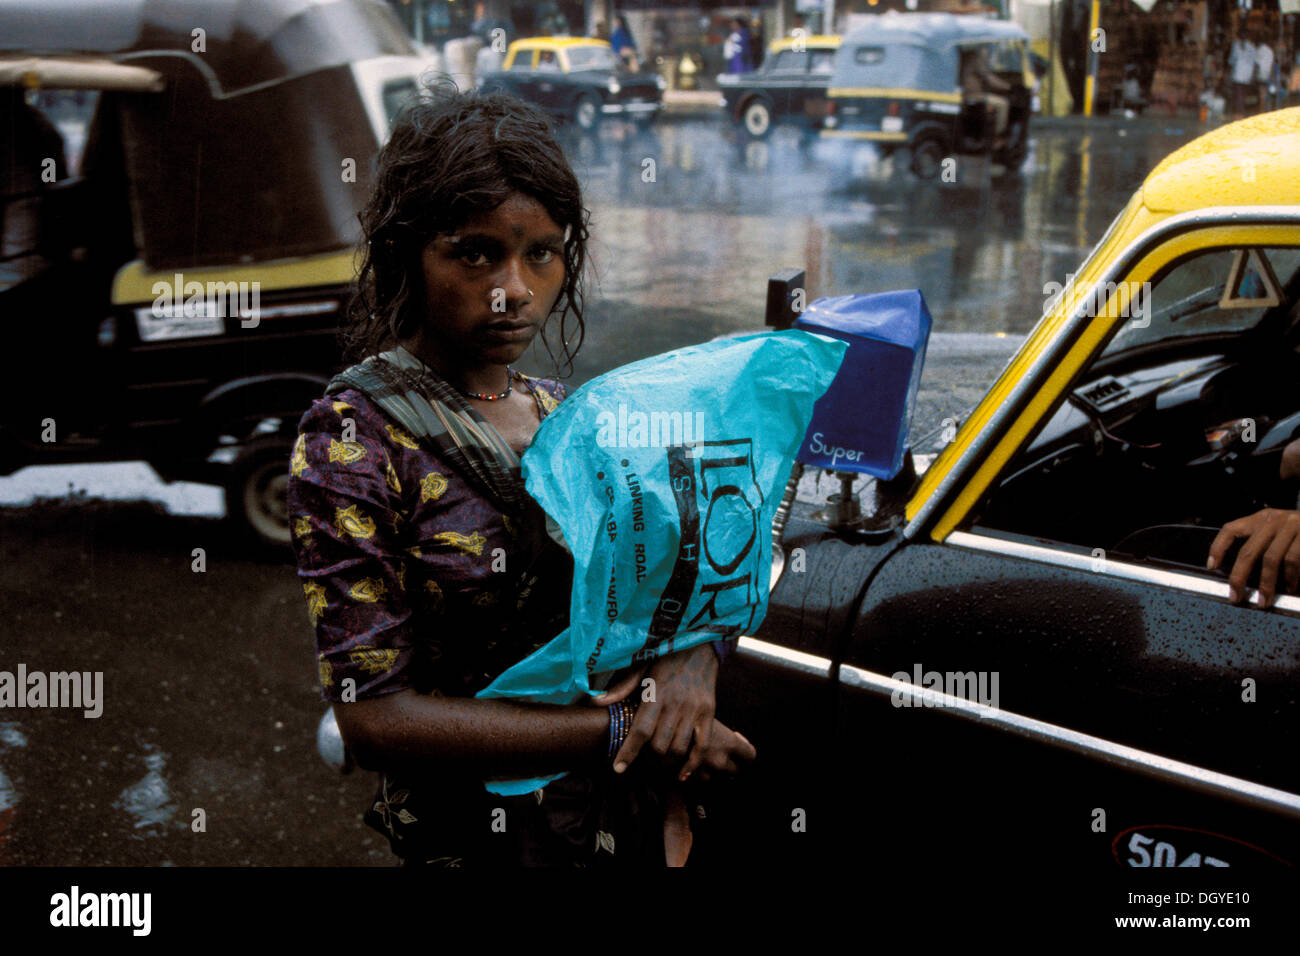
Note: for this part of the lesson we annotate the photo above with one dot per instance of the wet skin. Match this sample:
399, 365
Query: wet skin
489, 288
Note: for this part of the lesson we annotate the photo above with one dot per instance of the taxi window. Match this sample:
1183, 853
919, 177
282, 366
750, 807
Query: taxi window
547, 61
823, 62
592, 58
869, 55
523, 60
790, 61
1189, 300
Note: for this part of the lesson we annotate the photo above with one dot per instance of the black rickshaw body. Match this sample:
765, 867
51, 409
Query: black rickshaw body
898, 84
178, 299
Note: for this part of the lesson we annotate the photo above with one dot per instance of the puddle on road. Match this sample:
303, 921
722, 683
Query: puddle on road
11, 735
11, 738
148, 800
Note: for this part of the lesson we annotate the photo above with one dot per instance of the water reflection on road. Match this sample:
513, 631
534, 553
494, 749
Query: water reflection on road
689, 220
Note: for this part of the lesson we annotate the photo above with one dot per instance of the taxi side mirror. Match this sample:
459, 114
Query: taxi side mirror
785, 298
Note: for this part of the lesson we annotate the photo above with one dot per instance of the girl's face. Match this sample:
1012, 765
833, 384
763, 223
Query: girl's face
491, 284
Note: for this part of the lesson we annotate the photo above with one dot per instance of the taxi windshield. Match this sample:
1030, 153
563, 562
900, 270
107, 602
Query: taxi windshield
1224, 290
592, 58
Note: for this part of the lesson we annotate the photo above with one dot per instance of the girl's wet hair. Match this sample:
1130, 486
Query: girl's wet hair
451, 156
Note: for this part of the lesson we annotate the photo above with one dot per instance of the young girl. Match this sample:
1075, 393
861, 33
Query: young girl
427, 569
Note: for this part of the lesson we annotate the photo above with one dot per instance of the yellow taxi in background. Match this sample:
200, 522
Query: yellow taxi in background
790, 86
577, 79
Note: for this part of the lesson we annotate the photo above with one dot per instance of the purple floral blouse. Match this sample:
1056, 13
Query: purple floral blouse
412, 576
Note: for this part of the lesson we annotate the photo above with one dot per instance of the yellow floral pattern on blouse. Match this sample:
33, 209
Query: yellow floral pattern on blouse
351, 522
326, 673
432, 486
348, 452
374, 660
315, 600
401, 438
368, 591
298, 463
548, 401
390, 476
469, 543
340, 408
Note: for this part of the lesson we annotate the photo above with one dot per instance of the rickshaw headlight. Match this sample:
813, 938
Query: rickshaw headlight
614, 86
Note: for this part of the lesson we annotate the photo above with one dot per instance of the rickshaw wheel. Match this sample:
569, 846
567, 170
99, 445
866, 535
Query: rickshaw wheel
255, 494
757, 119
927, 157
586, 113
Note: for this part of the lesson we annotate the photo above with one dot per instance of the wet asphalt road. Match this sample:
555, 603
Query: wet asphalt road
210, 693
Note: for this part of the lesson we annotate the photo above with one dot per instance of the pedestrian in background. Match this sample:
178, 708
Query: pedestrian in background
1264, 73
1241, 65
623, 44
736, 48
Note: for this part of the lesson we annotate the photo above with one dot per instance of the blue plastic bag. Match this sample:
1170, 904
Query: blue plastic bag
663, 477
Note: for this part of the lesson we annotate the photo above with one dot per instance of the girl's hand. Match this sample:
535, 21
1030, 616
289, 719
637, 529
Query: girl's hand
725, 752
676, 706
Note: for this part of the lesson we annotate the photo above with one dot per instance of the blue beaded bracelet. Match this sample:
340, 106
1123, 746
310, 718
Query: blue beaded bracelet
620, 724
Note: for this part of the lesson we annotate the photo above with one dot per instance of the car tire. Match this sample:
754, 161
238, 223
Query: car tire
586, 113
927, 158
756, 118
256, 507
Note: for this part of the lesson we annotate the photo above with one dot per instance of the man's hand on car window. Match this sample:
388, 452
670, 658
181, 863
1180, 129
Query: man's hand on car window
1272, 542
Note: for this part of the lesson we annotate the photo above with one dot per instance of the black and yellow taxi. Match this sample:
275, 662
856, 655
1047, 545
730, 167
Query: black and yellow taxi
578, 80
1025, 664
789, 87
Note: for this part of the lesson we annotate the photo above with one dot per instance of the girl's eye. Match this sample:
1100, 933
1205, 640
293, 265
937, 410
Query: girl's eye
544, 255
474, 257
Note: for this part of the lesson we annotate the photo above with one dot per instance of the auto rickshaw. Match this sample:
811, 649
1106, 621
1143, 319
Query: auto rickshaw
177, 300
898, 82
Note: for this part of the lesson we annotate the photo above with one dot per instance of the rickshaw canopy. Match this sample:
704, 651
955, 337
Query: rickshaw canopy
241, 131
245, 43
920, 51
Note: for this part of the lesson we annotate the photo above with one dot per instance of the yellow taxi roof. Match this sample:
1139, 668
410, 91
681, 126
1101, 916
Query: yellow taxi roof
1252, 162
823, 41
566, 42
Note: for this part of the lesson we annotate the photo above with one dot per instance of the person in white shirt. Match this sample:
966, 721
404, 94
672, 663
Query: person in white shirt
1264, 73
1242, 63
